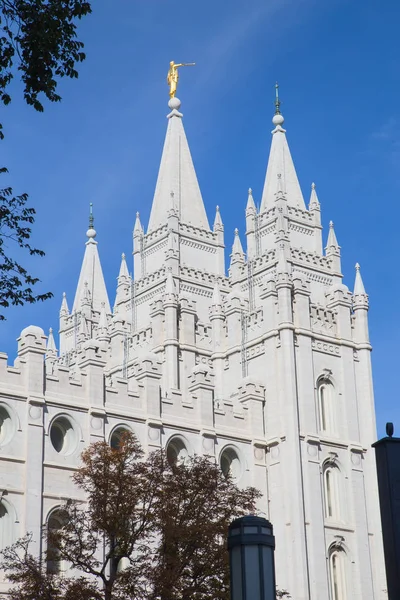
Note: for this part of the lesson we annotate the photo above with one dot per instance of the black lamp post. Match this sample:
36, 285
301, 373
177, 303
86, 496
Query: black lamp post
251, 546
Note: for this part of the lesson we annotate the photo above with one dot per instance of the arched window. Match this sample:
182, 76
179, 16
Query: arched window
230, 463
6, 529
177, 453
6, 425
116, 436
54, 564
326, 402
338, 575
331, 492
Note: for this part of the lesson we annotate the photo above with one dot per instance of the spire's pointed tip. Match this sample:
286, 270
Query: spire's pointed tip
250, 202
331, 224
218, 225
277, 118
236, 232
358, 284
138, 225
91, 232
314, 202
123, 256
51, 345
64, 295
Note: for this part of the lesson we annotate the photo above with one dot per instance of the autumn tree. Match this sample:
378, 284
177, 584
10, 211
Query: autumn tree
39, 45
149, 530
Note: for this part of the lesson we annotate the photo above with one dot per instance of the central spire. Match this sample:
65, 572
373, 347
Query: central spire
177, 176
280, 163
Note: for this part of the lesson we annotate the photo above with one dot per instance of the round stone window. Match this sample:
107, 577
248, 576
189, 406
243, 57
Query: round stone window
6, 426
63, 436
230, 463
177, 453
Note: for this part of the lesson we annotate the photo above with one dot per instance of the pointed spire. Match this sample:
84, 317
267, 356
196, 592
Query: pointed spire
314, 202
237, 248
218, 225
92, 275
216, 297
51, 345
177, 175
64, 311
280, 162
358, 284
332, 243
123, 275
138, 228
250, 206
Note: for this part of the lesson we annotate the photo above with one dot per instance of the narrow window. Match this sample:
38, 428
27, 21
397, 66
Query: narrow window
54, 564
331, 492
338, 579
326, 407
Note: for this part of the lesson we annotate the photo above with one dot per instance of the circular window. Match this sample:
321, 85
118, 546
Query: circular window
6, 426
230, 464
63, 436
177, 453
116, 436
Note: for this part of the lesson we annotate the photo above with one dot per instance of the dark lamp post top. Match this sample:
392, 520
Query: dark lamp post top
389, 429
250, 530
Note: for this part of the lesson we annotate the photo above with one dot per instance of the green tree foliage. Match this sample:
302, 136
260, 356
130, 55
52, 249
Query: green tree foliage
38, 44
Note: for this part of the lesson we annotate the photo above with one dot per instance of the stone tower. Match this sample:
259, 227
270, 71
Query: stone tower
267, 368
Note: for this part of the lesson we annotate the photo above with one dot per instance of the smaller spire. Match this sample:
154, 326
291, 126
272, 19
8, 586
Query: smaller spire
138, 225
123, 275
51, 345
218, 225
314, 202
216, 297
332, 243
358, 284
64, 310
237, 248
250, 206
91, 232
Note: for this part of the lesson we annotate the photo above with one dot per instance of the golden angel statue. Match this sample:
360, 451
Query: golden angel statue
173, 76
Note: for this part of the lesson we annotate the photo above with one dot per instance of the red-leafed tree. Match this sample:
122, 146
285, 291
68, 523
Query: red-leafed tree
149, 530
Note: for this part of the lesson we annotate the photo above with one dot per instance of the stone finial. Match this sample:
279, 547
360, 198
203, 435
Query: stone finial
64, 311
314, 202
332, 245
250, 206
51, 345
218, 225
138, 228
359, 288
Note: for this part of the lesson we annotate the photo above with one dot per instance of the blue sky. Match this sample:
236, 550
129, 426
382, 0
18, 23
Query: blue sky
337, 63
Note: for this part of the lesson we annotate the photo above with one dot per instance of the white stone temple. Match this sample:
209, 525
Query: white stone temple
267, 368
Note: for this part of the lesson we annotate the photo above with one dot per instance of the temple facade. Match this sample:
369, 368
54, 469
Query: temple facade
267, 368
